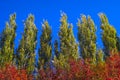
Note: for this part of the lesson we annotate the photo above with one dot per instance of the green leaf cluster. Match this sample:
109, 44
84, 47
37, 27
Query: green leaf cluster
7, 41
87, 38
26, 49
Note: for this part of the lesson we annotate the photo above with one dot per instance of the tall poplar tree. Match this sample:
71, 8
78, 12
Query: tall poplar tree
45, 50
87, 38
26, 49
7, 41
68, 45
108, 35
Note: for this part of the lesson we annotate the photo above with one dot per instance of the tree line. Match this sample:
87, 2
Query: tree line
65, 48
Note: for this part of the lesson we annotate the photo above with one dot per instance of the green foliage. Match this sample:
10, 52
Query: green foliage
87, 38
45, 50
118, 43
68, 45
61, 62
56, 51
100, 57
67, 64
26, 49
108, 35
7, 41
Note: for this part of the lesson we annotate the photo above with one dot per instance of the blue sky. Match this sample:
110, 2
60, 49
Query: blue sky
50, 10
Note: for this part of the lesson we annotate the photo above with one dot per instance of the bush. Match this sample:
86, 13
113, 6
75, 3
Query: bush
81, 70
10, 72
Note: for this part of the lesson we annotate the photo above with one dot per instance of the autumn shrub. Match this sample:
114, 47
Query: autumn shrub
10, 72
100, 72
113, 67
81, 70
56, 74
78, 71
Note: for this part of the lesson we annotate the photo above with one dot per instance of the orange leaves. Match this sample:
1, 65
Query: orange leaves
11, 73
113, 66
80, 70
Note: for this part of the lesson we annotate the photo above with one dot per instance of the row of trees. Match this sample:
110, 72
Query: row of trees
64, 49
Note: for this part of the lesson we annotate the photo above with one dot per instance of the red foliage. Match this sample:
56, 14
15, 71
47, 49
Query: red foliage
49, 74
79, 70
11, 73
113, 67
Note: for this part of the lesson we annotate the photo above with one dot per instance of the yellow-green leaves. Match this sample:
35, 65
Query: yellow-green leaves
26, 49
87, 38
45, 50
100, 56
108, 35
7, 41
68, 45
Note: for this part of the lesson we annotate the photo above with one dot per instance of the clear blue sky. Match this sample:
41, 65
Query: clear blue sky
50, 10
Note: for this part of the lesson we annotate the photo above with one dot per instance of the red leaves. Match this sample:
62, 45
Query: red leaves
80, 70
11, 73
77, 70
49, 74
113, 67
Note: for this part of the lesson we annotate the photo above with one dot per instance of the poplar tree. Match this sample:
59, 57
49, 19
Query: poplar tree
108, 35
68, 45
26, 49
87, 38
45, 50
7, 41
